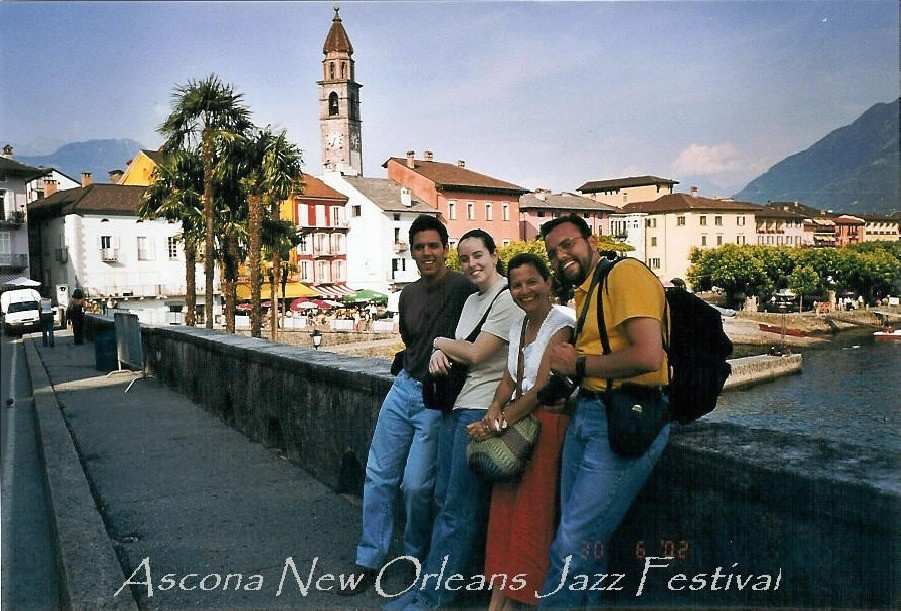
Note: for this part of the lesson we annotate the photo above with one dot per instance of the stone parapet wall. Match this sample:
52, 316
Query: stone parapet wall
823, 515
755, 369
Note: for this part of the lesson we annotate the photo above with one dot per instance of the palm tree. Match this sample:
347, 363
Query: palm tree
205, 112
175, 195
253, 156
281, 179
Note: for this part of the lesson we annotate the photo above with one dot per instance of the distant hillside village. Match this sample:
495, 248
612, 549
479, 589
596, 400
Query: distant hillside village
73, 232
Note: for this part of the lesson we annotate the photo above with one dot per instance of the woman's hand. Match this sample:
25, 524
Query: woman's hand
494, 419
439, 364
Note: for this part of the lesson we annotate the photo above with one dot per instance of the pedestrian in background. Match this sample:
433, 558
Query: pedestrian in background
47, 322
75, 313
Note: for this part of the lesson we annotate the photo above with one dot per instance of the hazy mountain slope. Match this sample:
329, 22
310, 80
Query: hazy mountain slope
854, 168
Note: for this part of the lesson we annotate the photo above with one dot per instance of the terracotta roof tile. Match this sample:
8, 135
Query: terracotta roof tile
314, 188
677, 202
632, 181
451, 177
562, 201
97, 198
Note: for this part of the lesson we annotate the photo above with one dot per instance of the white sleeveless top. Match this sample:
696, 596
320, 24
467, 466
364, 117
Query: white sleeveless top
557, 318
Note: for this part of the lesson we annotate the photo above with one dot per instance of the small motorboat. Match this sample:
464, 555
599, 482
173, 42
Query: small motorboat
896, 334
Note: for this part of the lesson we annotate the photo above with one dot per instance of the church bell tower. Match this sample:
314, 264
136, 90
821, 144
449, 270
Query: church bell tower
340, 126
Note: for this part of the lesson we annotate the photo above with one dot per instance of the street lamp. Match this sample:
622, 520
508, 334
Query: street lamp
316, 335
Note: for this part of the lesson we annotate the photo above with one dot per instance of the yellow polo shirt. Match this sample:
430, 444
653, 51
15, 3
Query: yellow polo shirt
630, 291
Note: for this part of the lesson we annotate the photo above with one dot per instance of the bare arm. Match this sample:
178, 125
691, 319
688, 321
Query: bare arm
470, 353
526, 404
644, 353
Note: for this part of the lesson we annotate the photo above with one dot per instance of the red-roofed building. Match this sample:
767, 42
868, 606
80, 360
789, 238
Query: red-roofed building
465, 199
321, 258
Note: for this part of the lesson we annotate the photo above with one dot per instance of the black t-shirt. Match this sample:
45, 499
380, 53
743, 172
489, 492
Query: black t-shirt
430, 311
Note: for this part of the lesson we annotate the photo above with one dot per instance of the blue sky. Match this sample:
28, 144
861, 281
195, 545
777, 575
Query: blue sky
541, 93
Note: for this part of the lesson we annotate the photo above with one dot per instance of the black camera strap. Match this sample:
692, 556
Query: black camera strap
600, 272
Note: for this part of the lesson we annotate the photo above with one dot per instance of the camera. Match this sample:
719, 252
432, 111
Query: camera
558, 388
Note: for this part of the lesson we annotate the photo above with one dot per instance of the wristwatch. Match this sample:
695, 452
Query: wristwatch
580, 367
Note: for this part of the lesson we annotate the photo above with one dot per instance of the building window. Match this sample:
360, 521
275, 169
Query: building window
172, 247
397, 234
6, 246
740, 221
540, 214
306, 271
718, 220
332, 104
471, 211
356, 210
338, 243
452, 210
703, 220
506, 211
396, 217
505, 242
653, 241
489, 214
145, 249
338, 271
654, 262
740, 240
703, 240
719, 240
336, 215
106, 241
322, 272
331, 70
320, 216
303, 215
680, 220
651, 222
452, 243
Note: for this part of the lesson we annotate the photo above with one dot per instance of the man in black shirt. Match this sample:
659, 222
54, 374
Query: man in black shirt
405, 442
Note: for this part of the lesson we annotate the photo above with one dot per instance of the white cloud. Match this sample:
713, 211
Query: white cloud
710, 159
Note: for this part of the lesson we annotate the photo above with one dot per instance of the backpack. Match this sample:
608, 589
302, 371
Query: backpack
697, 350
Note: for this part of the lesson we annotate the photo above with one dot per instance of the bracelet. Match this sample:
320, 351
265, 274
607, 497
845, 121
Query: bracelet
580, 368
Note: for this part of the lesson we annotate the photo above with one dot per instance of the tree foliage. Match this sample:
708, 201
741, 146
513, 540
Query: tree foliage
870, 269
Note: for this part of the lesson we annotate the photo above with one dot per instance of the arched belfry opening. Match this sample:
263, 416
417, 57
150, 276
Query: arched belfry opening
333, 104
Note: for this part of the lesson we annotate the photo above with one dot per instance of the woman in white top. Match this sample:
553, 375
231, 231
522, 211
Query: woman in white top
523, 513
461, 495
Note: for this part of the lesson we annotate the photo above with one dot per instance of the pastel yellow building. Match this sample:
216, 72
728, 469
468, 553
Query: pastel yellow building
140, 169
675, 224
620, 192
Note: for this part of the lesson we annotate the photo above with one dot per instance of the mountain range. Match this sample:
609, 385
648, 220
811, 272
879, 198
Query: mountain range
855, 168
95, 156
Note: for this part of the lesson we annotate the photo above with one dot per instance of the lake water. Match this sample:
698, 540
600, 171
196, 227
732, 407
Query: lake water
848, 392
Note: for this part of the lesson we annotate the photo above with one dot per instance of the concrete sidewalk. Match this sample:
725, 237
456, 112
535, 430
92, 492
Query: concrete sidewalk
187, 500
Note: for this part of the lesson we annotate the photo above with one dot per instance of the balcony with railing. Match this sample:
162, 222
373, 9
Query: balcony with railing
110, 255
13, 262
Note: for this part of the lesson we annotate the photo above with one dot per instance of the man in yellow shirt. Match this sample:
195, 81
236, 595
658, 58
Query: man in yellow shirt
597, 486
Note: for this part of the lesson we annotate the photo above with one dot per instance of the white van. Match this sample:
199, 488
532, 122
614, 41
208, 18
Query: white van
21, 310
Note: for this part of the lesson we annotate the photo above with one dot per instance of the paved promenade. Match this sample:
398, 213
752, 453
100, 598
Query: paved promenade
177, 487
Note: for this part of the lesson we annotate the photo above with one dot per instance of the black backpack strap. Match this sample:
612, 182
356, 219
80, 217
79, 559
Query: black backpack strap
602, 325
475, 332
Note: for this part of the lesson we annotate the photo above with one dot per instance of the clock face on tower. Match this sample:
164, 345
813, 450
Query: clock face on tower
335, 140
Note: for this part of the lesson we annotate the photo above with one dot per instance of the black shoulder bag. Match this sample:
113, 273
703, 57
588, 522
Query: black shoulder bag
441, 391
635, 413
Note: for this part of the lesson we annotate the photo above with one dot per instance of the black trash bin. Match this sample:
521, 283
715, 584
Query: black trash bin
105, 349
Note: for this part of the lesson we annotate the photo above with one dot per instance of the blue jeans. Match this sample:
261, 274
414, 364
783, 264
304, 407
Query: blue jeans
47, 323
597, 487
401, 456
462, 498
